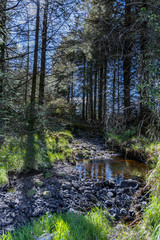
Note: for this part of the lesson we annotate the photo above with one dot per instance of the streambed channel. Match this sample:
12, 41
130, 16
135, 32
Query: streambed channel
94, 177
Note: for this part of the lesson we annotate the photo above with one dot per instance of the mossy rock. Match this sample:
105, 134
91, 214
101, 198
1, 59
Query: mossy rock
47, 175
38, 183
47, 194
31, 193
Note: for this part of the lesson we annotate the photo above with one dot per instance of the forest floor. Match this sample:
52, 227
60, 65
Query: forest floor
61, 189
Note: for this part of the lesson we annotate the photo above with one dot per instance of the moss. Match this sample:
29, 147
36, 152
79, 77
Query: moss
47, 194
30, 193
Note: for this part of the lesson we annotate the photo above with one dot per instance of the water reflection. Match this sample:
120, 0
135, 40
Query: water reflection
116, 167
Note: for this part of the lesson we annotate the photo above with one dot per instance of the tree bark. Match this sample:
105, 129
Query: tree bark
100, 99
127, 59
87, 95
113, 89
95, 92
27, 72
33, 90
105, 89
91, 93
3, 4
84, 83
43, 55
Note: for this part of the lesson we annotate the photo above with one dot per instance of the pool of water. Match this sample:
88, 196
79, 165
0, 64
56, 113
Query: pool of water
116, 168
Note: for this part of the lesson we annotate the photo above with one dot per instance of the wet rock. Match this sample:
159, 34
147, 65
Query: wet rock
129, 183
109, 183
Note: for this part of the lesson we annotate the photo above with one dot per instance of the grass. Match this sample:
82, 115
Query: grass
66, 226
33, 152
135, 146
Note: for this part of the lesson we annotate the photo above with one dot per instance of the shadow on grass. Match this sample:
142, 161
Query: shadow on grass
68, 226
36, 154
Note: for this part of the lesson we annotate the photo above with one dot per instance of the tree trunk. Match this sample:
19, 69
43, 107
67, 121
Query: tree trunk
118, 89
91, 93
3, 4
72, 93
100, 99
127, 60
43, 55
84, 83
87, 95
113, 88
144, 72
33, 90
95, 92
27, 72
105, 90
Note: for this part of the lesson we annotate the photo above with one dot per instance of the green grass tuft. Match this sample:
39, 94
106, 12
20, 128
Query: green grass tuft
33, 152
93, 226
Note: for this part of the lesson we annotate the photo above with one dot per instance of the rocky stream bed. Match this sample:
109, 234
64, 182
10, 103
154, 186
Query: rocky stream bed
62, 188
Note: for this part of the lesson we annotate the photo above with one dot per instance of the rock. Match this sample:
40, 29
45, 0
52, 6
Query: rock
46, 236
47, 194
71, 210
129, 183
110, 195
9, 228
109, 183
66, 186
131, 213
108, 203
38, 183
31, 193
37, 212
123, 212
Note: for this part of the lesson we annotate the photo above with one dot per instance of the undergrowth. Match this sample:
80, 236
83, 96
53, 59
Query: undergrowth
66, 226
33, 151
136, 146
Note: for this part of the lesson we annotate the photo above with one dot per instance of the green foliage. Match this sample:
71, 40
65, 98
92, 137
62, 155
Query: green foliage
59, 113
33, 151
94, 225
3, 176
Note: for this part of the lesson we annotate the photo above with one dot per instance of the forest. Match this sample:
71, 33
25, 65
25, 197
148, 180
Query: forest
79, 119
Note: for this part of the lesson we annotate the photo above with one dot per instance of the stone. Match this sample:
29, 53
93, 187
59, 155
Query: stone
38, 183
46, 236
31, 193
108, 203
123, 212
110, 195
130, 183
10, 228
47, 194
109, 183
71, 210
